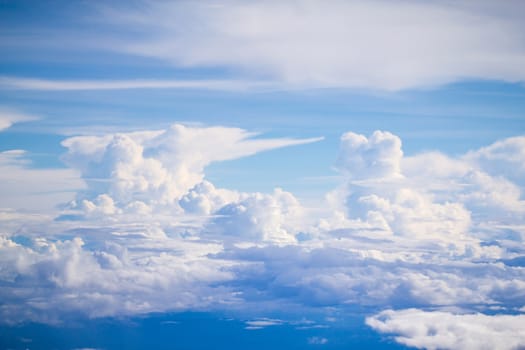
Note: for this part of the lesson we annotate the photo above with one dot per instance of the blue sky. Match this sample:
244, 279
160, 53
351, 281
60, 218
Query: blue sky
304, 169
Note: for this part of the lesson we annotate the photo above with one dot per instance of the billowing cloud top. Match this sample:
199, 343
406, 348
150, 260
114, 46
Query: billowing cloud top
150, 234
159, 166
425, 248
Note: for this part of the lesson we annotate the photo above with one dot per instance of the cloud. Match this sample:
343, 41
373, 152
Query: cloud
64, 277
445, 330
374, 158
151, 234
358, 44
8, 117
262, 323
161, 167
258, 217
429, 195
205, 199
317, 341
26, 188
504, 158
483, 180
377, 192
18, 83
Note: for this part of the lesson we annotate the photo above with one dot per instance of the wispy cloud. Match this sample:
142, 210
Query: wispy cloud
71, 85
24, 187
388, 45
262, 323
9, 116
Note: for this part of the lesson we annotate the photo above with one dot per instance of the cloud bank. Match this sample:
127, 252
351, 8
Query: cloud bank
150, 233
359, 44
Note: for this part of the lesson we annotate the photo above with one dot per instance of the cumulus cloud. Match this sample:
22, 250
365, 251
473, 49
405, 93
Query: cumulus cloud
485, 181
504, 158
378, 193
63, 277
429, 195
205, 199
162, 168
259, 217
445, 330
377, 157
151, 234
378, 45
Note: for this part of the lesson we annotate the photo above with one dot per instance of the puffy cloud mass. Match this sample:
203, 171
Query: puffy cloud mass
158, 168
374, 158
259, 217
430, 194
151, 234
445, 330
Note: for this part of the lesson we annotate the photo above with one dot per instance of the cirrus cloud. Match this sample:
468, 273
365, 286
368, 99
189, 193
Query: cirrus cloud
361, 44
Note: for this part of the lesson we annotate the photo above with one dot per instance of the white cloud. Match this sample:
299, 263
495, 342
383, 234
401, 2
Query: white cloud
160, 168
445, 330
317, 341
27, 188
8, 117
65, 277
378, 45
205, 199
151, 234
377, 192
262, 323
258, 217
484, 181
430, 195
503, 158
18, 83
377, 157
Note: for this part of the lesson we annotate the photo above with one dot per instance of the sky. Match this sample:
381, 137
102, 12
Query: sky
263, 174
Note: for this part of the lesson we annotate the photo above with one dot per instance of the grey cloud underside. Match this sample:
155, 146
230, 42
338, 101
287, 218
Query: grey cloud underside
150, 234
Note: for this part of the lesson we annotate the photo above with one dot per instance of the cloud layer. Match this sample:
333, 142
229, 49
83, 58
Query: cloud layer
376, 45
149, 233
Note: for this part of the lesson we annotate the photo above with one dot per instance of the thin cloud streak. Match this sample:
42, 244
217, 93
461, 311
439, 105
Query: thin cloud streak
77, 85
